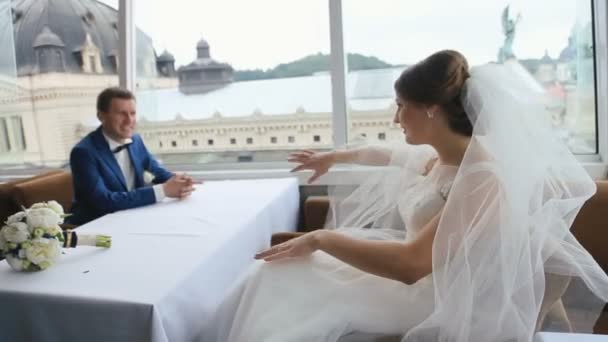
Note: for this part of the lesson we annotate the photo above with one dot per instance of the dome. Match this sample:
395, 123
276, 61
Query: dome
202, 44
546, 59
65, 24
47, 38
567, 54
165, 57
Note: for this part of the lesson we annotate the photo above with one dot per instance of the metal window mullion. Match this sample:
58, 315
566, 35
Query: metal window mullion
338, 74
126, 44
601, 54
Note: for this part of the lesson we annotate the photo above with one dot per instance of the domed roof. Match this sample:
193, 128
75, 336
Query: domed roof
165, 57
47, 38
202, 44
567, 54
204, 61
66, 23
546, 58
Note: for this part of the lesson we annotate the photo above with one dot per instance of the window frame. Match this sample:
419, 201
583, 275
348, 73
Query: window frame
596, 164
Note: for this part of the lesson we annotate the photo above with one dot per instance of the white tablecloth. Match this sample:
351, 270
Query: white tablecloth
169, 267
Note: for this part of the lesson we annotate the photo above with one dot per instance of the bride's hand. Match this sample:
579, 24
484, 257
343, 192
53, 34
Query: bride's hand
318, 162
298, 247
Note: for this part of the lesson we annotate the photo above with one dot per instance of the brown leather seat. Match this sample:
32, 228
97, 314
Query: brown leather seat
591, 229
315, 212
56, 187
7, 204
591, 225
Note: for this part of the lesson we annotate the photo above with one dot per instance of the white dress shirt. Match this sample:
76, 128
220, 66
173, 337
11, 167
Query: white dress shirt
124, 162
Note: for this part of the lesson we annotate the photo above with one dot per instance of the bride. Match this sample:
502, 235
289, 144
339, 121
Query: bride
463, 237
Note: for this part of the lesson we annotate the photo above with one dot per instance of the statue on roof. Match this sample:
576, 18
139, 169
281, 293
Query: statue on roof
508, 28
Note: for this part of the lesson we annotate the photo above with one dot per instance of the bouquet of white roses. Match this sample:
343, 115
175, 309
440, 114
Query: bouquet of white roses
31, 240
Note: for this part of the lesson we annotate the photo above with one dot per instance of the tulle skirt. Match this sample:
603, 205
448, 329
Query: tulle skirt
320, 298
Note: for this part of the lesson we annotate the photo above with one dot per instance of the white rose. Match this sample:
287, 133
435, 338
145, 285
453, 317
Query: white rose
53, 231
43, 250
17, 217
42, 218
16, 232
38, 205
56, 207
15, 263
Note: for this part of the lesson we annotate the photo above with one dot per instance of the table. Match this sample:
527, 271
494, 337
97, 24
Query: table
170, 266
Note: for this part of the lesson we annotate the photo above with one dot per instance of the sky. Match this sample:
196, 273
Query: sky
263, 33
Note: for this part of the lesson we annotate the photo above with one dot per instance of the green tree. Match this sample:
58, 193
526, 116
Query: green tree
309, 65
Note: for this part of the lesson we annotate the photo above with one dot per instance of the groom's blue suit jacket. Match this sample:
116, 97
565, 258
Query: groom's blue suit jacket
99, 185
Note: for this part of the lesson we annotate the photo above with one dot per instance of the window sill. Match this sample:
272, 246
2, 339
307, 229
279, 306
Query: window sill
597, 170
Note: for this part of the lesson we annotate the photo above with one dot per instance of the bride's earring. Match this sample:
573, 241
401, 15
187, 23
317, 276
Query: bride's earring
429, 114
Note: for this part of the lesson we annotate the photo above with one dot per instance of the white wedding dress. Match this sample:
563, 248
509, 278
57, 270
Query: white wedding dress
320, 298
503, 238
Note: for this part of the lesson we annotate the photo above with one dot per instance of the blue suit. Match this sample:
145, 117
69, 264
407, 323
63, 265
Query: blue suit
99, 184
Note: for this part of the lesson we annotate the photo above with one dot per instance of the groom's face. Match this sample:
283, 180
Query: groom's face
119, 121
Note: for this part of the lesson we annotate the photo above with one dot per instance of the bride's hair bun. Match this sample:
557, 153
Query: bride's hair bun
439, 80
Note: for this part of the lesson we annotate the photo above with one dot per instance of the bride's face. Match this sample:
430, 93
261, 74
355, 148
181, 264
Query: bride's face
414, 121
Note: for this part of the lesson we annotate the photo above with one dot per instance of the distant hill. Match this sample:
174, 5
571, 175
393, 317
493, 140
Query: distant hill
309, 65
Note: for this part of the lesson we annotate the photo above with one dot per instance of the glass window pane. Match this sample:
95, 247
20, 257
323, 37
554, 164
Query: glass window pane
8, 85
554, 43
245, 75
57, 57
5, 145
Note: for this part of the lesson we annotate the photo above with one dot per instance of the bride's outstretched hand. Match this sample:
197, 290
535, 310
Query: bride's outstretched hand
318, 162
298, 247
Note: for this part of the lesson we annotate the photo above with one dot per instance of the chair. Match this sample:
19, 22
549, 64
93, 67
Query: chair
57, 187
7, 204
591, 229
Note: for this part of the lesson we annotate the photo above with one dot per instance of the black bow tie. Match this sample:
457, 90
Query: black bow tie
120, 148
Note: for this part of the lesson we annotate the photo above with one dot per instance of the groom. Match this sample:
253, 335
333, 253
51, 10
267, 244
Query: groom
108, 165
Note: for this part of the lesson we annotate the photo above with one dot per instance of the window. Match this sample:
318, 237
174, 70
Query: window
245, 158
316, 138
210, 142
194, 142
18, 134
59, 90
93, 64
5, 145
286, 70
553, 43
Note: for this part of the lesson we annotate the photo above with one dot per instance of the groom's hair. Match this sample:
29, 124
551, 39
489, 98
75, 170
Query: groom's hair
104, 99
439, 80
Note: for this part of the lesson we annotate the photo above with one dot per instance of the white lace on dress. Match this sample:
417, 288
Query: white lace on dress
425, 196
